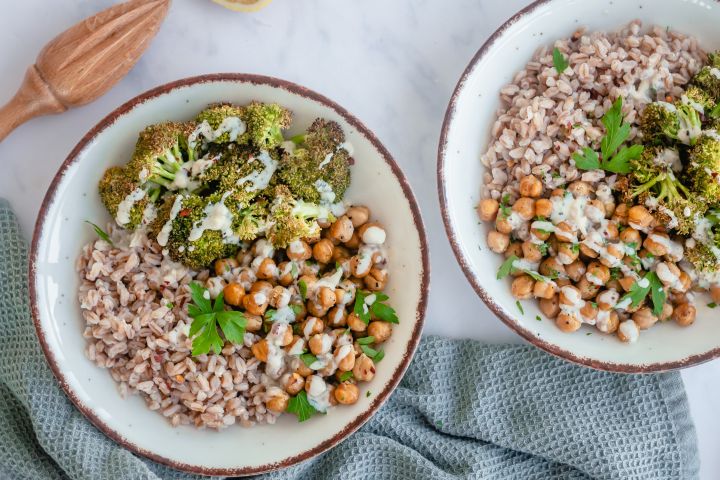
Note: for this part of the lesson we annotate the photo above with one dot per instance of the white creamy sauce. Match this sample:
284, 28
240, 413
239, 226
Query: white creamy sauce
284, 315
234, 126
328, 158
164, 234
215, 286
259, 180
602, 321
122, 217
623, 304
687, 132
309, 325
594, 279
570, 210
669, 157
149, 214
630, 330
643, 283
609, 298
675, 250
668, 277
330, 281
318, 394
699, 108
276, 354
260, 298
374, 235
296, 247
543, 225
298, 347
715, 72
216, 216
327, 196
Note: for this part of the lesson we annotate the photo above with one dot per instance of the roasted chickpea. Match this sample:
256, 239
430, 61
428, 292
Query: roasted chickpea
278, 402
487, 209
551, 267
579, 188
322, 251
297, 343
261, 286
587, 289
361, 264
715, 293
285, 276
611, 232
346, 363
299, 309
588, 252
502, 224
522, 287
364, 369
630, 236
550, 307
684, 283
621, 214
531, 251
530, 186
565, 232
358, 215
589, 311
303, 370
567, 323
543, 290
225, 265
615, 254
607, 322
355, 324
255, 303
341, 230
644, 318
684, 314
298, 251
380, 331
372, 233
515, 248
254, 322
639, 217
354, 241
498, 242
316, 309
543, 207
233, 294
337, 316
575, 270
376, 279
666, 313
267, 269
558, 192
656, 243
294, 383
626, 283
525, 208
320, 344
598, 274
326, 297
595, 210
340, 254
260, 350
567, 253
346, 393
312, 326
628, 331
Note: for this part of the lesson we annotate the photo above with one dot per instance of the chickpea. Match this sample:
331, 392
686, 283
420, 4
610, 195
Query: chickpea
372, 233
515, 248
626, 283
314, 308
255, 303
540, 234
531, 251
599, 206
233, 294
609, 208
267, 269
684, 282
297, 343
558, 192
346, 363
326, 297
630, 236
598, 273
627, 331
261, 287
655, 245
254, 322
550, 307
567, 323
487, 209
340, 254
589, 311
666, 313
498, 242
644, 318
611, 232
355, 324
295, 383
300, 310
620, 215
364, 369
225, 265
567, 253
524, 207
287, 336
346, 393
575, 270
543, 207
260, 350
337, 316
358, 215
522, 287
551, 267
715, 293
615, 255
376, 279
298, 251
342, 229
312, 326
543, 290
361, 264
322, 251
502, 224
567, 298
354, 241
530, 186
380, 331
579, 188
320, 344
639, 217
285, 277
610, 322
278, 402
587, 289
565, 233
684, 314
588, 252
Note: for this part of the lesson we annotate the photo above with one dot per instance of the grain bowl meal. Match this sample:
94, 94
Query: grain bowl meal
603, 180
236, 281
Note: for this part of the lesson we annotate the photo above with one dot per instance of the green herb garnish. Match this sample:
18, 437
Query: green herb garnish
712, 305
654, 287
537, 317
308, 359
300, 406
378, 308
366, 340
375, 355
559, 60
100, 233
520, 307
207, 317
303, 289
294, 270
368, 393
506, 267
345, 376
505, 209
610, 159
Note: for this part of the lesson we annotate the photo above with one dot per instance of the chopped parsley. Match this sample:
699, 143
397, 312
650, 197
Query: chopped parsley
308, 359
506, 267
303, 289
368, 393
374, 355
505, 209
345, 376
712, 305
102, 234
654, 287
300, 406
537, 317
559, 61
366, 340
206, 318
294, 270
520, 307
378, 309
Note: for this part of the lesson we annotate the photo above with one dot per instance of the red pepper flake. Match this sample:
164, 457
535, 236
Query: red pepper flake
184, 212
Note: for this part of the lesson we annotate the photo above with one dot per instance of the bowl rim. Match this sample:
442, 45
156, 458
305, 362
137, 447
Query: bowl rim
452, 235
421, 307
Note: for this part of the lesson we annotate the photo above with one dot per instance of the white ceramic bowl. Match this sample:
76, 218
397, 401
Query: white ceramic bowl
60, 233
465, 136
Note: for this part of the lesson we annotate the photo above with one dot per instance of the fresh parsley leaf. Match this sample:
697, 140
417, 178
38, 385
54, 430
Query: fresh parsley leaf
208, 339
536, 276
366, 340
620, 163
206, 318
575, 248
543, 248
657, 293
345, 376
520, 307
375, 355
506, 267
616, 132
537, 317
201, 297
294, 270
233, 325
712, 305
587, 160
505, 209
170, 305
308, 359
384, 312
368, 393
360, 308
559, 60
300, 406
100, 233
303, 289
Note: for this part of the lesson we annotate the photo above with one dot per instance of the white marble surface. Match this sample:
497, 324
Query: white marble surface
393, 64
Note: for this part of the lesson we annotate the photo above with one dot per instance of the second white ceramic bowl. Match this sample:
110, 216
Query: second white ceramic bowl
465, 137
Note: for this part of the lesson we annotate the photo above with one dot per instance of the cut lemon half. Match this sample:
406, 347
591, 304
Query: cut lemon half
243, 5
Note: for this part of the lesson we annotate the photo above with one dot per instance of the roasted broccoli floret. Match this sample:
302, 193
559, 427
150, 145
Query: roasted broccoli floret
160, 152
661, 121
224, 121
292, 219
654, 182
126, 198
704, 166
318, 170
251, 221
698, 97
242, 169
265, 123
708, 79
704, 251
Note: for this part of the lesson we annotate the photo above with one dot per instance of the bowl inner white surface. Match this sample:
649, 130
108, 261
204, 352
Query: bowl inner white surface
64, 232
467, 138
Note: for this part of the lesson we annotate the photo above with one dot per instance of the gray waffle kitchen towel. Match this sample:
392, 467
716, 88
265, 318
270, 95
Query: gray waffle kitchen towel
464, 410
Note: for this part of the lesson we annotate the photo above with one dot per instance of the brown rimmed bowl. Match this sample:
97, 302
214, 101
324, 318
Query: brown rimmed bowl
465, 136
60, 233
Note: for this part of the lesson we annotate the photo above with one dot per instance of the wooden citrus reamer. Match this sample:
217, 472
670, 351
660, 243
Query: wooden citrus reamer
84, 62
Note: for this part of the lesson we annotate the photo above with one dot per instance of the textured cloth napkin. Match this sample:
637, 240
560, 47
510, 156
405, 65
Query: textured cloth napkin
464, 410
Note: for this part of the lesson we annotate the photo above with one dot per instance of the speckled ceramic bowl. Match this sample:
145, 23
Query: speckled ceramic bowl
60, 233
465, 137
